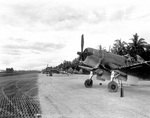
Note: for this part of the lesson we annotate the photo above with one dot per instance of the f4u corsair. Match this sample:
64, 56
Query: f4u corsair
111, 66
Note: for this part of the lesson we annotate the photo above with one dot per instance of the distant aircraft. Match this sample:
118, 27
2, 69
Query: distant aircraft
107, 65
49, 71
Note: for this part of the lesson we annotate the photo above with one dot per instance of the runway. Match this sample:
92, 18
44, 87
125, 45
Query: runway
63, 96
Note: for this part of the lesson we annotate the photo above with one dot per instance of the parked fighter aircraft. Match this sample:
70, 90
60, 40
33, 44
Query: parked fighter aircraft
49, 71
107, 65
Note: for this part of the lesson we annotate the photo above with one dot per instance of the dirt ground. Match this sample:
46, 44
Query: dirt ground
63, 96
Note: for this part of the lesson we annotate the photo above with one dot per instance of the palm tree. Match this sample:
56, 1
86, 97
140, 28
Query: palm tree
137, 45
119, 47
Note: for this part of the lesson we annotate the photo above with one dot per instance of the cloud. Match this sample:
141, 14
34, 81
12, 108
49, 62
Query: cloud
65, 16
122, 14
30, 65
37, 47
18, 40
17, 15
31, 56
6, 62
10, 51
47, 15
57, 17
40, 46
6, 59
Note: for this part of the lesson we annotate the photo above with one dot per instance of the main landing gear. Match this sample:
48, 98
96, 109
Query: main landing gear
89, 82
112, 86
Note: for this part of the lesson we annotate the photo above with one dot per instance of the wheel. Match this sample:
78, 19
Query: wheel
113, 86
88, 83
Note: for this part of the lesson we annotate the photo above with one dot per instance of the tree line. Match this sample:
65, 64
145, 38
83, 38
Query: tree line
137, 46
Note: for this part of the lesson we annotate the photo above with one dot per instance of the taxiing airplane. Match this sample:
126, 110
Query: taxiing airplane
107, 65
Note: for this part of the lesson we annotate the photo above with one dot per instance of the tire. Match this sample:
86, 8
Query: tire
113, 86
88, 83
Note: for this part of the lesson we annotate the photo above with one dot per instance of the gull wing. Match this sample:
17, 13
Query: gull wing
140, 70
92, 61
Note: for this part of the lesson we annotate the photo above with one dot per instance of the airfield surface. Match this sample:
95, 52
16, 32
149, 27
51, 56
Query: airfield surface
63, 96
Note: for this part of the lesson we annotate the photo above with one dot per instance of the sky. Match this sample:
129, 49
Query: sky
34, 33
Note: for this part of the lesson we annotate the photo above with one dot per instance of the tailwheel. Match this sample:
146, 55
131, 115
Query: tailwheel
113, 86
88, 83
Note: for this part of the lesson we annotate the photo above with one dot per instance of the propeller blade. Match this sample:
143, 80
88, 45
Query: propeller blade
82, 46
82, 42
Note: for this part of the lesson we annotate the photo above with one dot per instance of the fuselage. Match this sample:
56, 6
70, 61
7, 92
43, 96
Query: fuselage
107, 59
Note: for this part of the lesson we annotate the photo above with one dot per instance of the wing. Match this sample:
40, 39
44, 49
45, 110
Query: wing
86, 68
141, 70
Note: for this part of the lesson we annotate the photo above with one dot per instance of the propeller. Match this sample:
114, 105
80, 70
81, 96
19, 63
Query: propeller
88, 56
85, 53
